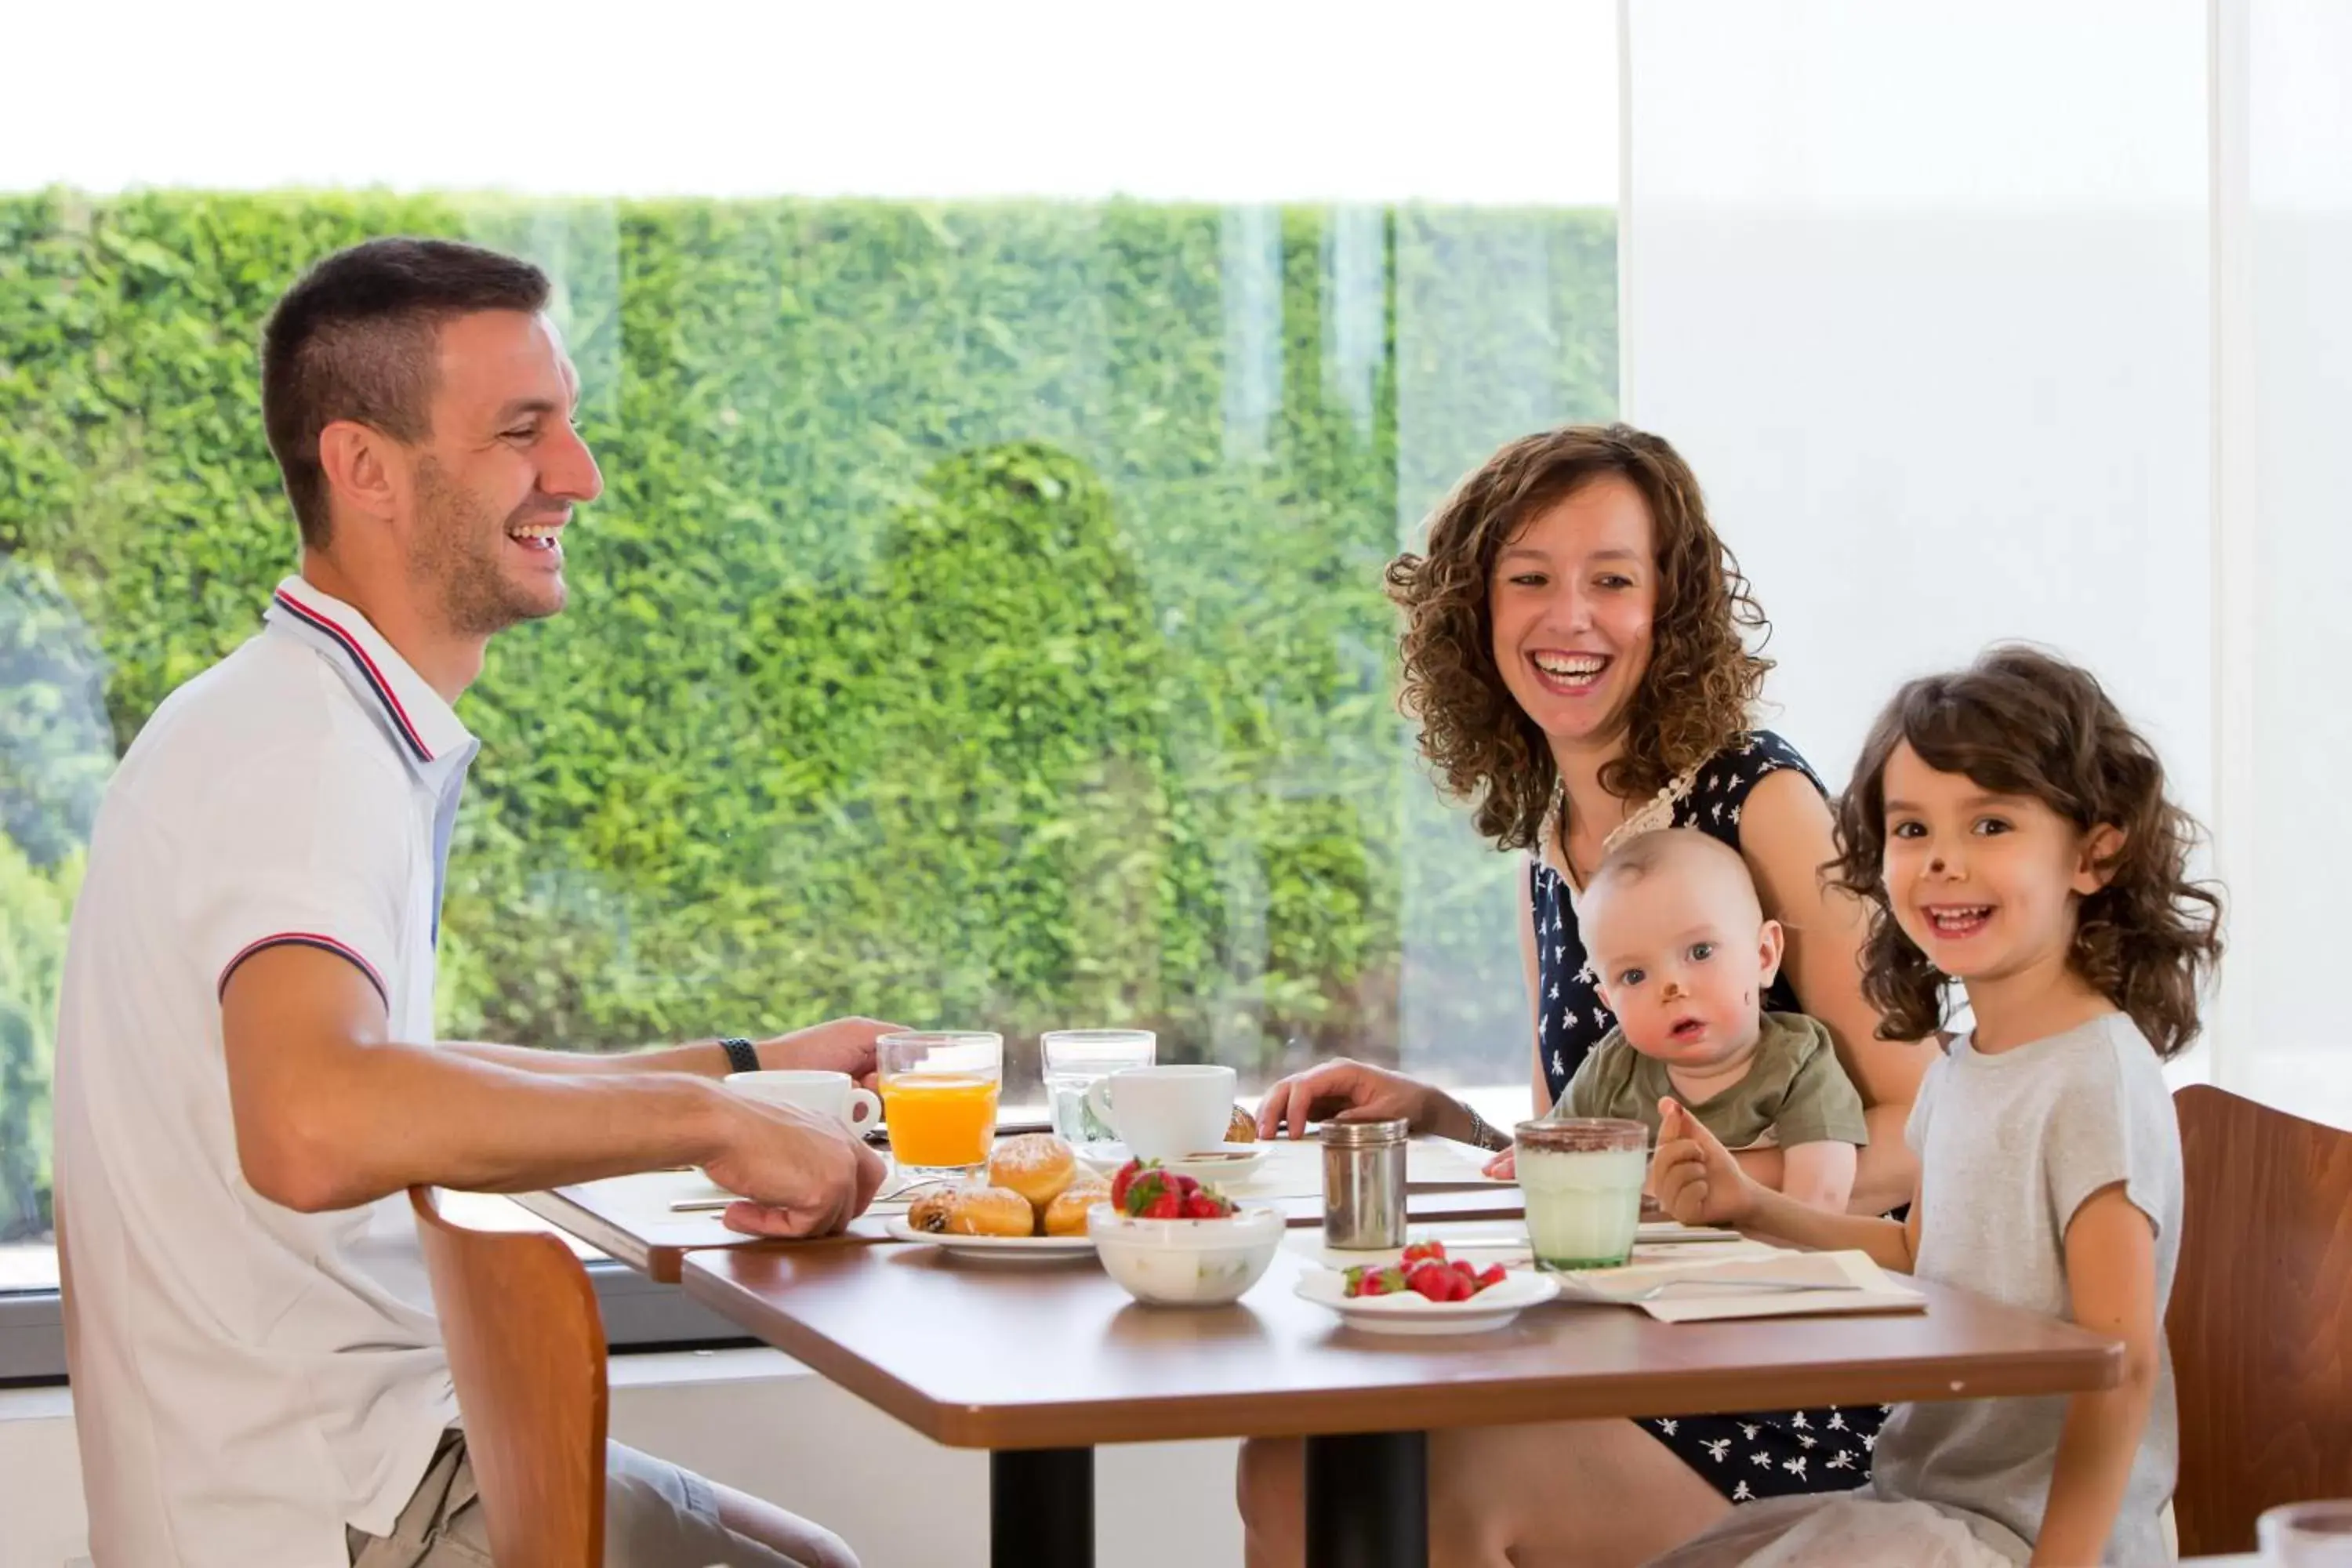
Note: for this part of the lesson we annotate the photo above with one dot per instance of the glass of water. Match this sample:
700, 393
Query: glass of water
1075, 1060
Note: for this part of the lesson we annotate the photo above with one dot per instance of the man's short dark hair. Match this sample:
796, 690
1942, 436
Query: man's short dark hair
355, 339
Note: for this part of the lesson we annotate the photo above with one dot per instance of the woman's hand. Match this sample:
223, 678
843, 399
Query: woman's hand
1503, 1167
1695, 1177
1345, 1091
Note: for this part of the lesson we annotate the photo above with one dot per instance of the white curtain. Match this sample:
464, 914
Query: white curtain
1929, 299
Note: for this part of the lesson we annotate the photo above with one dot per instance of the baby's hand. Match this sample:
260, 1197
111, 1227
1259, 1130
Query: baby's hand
1695, 1177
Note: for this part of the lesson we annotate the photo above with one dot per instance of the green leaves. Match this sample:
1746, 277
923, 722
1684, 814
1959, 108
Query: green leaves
927, 655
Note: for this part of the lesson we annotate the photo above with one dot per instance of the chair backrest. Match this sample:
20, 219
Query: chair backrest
2261, 1322
526, 1351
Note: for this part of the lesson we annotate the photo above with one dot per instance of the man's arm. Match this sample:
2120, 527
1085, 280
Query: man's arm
2111, 1284
844, 1045
331, 1113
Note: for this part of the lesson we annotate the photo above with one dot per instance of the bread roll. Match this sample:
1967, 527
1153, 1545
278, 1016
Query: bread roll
1066, 1215
1242, 1129
990, 1211
1037, 1165
930, 1211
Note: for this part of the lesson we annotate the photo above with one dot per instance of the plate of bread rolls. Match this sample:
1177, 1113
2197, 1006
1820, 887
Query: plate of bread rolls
1031, 1203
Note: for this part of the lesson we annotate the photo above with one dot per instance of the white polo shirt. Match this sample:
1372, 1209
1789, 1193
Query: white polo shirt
246, 1379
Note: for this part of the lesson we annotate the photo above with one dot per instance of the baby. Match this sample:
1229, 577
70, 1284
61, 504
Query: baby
1684, 953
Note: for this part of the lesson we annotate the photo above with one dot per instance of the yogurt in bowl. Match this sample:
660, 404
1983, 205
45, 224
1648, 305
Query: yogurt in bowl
1185, 1262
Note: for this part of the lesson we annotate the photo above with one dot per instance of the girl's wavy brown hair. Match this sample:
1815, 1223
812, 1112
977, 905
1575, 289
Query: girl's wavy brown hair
1703, 676
2021, 721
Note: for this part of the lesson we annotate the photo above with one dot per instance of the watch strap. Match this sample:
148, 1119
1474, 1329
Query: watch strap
743, 1055
1485, 1135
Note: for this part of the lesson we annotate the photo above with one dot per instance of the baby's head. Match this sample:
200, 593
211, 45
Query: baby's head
1682, 947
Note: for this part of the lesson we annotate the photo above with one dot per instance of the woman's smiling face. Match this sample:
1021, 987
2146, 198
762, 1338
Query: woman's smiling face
1573, 600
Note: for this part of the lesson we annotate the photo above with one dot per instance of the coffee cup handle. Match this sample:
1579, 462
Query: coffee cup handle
865, 1107
1099, 1102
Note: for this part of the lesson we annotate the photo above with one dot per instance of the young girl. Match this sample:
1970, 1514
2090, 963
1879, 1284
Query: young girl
2011, 832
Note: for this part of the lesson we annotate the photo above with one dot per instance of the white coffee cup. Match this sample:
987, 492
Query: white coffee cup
825, 1093
1166, 1112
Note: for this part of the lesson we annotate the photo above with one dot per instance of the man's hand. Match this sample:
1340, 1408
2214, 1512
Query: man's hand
845, 1045
800, 1173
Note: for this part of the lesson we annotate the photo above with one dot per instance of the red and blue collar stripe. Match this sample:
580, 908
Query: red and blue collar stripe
304, 939
318, 621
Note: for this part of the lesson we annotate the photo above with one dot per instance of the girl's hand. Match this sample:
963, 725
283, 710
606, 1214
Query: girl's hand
1695, 1177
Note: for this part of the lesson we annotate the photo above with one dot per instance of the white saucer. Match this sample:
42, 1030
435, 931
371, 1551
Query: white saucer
1225, 1162
1409, 1312
996, 1248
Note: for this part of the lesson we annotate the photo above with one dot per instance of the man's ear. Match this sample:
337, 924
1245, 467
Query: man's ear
1771, 945
366, 474
2102, 848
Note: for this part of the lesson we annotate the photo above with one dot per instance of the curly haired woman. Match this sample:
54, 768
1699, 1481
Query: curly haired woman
1575, 651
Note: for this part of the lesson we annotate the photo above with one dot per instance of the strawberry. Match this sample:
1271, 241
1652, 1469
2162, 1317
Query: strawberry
1185, 1184
1421, 1249
1493, 1275
1384, 1282
1144, 1191
1124, 1180
1437, 1284
1165, 1205
1205, 1206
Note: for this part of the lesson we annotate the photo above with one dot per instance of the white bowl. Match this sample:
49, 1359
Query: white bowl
1185, 1262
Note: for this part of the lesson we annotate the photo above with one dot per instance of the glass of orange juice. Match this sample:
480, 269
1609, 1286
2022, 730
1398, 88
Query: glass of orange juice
939, 1098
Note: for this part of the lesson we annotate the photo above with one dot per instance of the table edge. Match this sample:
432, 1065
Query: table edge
2058, 1369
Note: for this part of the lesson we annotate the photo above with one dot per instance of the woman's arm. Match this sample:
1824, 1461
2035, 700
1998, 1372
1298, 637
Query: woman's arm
1785, 835
1542, 1096
2111, 1282
1819, 1175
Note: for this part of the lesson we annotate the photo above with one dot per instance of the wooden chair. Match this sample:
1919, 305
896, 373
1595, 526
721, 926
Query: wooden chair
526, 1351
2261, 1322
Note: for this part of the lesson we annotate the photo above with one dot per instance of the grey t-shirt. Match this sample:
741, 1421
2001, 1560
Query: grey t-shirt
2010, 1145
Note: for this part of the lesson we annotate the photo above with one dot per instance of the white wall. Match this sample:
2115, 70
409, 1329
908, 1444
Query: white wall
754, 1420
2294, 500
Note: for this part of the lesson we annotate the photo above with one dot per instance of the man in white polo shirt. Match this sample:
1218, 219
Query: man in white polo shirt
246, 1078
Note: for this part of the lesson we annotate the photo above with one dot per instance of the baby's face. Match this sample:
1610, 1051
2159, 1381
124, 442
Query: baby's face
1683, 957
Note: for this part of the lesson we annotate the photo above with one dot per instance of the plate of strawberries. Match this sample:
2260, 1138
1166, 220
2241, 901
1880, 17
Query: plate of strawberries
1426, 1292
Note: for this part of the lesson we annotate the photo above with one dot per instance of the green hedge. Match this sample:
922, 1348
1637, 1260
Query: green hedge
981, 622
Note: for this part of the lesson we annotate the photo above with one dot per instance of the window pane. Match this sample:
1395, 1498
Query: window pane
983, 624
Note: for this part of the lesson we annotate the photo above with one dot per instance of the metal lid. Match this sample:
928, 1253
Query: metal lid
1363, 1134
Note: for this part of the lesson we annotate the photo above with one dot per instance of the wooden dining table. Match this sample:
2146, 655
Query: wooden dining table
1039, 1363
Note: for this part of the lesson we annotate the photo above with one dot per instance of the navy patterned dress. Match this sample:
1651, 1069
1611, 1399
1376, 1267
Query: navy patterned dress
1761, 1453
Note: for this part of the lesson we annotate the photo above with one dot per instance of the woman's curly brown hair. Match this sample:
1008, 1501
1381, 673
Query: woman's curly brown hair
1702, 678
2021, 721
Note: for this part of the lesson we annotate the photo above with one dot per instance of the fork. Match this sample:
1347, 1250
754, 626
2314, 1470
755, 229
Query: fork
1769, 1287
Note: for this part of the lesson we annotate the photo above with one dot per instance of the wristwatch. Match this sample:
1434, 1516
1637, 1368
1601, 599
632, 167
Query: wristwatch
743, 1055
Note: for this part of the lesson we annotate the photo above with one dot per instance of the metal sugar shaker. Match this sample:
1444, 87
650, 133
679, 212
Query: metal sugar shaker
1363, 1184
